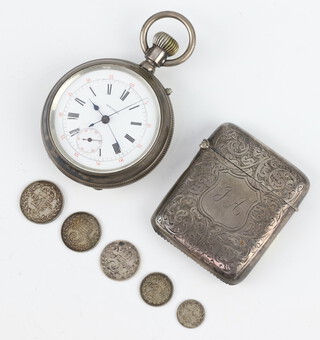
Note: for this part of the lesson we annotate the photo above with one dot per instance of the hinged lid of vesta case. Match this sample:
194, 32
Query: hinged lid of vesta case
230, 203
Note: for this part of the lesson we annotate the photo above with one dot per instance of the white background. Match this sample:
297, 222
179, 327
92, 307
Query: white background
256, 64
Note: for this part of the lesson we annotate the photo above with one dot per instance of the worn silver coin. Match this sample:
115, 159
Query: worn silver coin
156, 289
80, 231
119, 260
190, 313
41, 202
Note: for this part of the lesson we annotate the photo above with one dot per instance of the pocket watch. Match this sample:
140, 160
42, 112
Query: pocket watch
109, 122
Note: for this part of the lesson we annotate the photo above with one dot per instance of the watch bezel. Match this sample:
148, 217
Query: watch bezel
100, 180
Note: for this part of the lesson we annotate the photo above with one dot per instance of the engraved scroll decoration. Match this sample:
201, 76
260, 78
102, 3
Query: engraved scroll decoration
193, 214
259, 162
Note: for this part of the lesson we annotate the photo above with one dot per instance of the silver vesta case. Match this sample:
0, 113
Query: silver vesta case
230, 203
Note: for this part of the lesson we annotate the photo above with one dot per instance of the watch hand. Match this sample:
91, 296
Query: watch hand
96, 107
116, 146
105, 120
92, 140
126, 107
111, 107
92, 124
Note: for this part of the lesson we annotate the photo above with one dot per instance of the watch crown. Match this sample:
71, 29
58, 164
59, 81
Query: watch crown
166, 42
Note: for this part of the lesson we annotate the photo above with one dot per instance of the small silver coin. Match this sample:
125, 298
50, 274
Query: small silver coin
119, 260
156, 289
190, 313
41, 202
80, 231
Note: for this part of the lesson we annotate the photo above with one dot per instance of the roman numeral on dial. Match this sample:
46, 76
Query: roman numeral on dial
92, 91
109, 89
129, 138
124, 95
73, 115
74, 132
116, 148
79, 101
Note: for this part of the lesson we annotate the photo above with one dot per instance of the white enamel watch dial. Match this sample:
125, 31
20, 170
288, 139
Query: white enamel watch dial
109, 122
104, 119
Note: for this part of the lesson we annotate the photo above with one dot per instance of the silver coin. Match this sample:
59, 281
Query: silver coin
119, 260
190, 313
41, 202
156, 289
80, 231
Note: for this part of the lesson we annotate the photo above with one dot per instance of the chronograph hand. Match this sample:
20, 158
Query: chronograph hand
111, 108
97, 108
127, 107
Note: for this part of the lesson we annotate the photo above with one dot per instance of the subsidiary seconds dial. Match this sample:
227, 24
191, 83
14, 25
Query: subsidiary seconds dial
89, 141
106, 119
